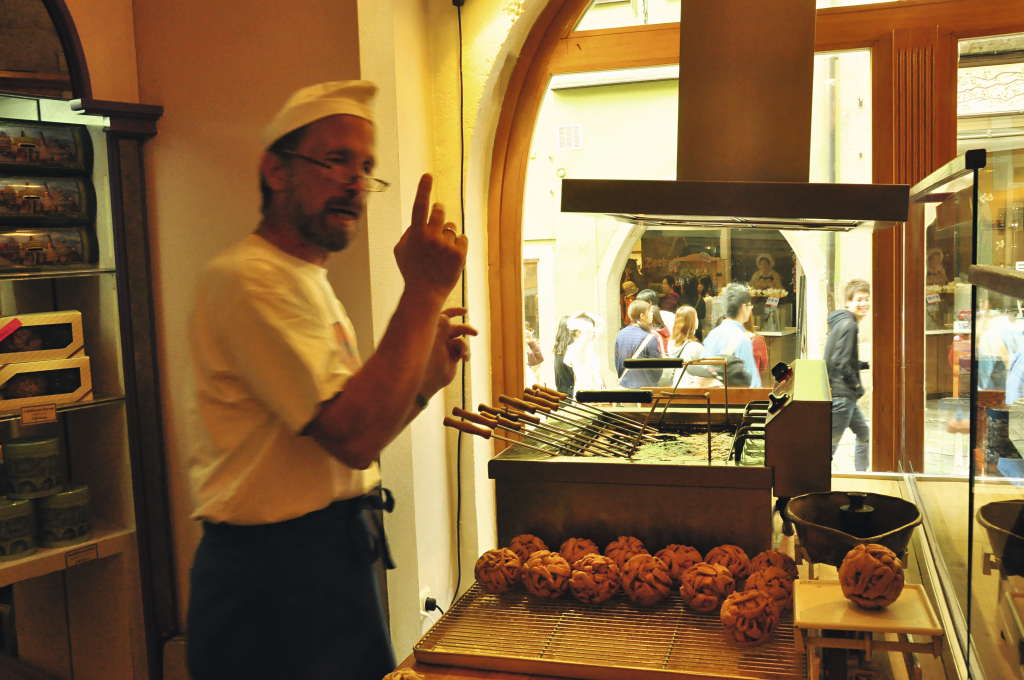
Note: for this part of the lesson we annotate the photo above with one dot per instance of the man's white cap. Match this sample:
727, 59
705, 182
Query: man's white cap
310, 104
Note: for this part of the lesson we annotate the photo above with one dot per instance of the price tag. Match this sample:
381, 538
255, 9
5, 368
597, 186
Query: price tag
772, 302
34, 415
932, 299
962, 326
1020, 266
87, 553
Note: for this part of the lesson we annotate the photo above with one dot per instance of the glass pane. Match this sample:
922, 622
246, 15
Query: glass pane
841, 152
990, 93
945, 216
998, 467
617, 13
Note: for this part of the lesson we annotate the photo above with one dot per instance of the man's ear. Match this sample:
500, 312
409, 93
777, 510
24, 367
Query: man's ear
274, 171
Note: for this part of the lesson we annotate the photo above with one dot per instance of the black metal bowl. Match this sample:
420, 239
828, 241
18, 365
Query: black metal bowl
1000, 518
817, 520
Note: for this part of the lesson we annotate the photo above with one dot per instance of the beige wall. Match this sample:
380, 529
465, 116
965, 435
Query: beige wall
221, 71
106, 30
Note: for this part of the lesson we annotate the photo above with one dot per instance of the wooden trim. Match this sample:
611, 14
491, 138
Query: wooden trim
127, 120
53, 81
836, 29
81, 85
999, 279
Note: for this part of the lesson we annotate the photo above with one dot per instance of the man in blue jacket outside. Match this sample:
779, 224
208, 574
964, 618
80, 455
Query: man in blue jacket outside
844, 367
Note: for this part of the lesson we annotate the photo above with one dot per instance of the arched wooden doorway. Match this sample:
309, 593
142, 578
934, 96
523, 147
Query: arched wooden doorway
914, 56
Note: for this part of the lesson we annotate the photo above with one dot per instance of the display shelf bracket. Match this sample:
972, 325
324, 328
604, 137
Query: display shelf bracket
999, 279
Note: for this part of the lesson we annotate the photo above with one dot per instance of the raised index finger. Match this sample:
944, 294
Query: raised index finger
422, 203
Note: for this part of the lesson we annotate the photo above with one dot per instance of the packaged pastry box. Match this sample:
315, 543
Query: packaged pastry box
60, 381
40, 337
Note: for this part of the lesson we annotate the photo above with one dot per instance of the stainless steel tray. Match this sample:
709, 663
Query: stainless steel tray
518, 633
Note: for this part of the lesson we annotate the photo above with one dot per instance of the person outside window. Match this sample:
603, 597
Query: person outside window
534, 356
706, 289
765, 276
684, 345
671, 300
636, 341
632, 273
936, 274
629, 293
691, 297
844, 367
581, 356
291, 423
659, 326
565, 381
731, 337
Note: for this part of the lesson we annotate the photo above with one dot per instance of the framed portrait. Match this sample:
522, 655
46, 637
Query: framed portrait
40, 249
46, 201
35, 148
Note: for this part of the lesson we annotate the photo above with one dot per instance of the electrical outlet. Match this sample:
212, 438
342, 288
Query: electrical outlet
424, 594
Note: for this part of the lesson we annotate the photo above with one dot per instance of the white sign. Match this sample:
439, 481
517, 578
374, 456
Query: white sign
87, 553
1020, 266
932, 299
962, 326
34, 415
772, 302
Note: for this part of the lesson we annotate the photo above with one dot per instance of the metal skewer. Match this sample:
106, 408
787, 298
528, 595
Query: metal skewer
470, 428
580, 421
620, 421
579, 438
539, 399
572, 448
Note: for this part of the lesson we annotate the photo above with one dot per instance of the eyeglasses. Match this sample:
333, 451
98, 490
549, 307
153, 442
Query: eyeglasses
333, 169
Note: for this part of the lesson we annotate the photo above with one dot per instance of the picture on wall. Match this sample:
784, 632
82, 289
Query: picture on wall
46, 201
35, 248
35, 148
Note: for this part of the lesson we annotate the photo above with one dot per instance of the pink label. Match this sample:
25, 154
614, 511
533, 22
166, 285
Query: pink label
9, 328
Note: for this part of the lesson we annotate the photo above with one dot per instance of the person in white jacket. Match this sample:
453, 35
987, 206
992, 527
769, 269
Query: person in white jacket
581, 355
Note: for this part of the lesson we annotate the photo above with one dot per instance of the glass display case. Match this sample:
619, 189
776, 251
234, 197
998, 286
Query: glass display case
969, 213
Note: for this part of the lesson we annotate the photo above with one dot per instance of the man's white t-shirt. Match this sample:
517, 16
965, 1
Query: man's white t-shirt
270, 343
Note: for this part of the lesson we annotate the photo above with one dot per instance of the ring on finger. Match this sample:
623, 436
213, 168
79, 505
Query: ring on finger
454, 233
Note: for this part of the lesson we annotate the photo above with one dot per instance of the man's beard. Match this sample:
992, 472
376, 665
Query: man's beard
317, 230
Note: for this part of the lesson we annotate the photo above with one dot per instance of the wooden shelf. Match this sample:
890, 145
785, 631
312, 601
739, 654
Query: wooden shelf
54, 272
108, 540
999, 279
64, 408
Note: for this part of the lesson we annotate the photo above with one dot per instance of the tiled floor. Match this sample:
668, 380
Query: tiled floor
944, 453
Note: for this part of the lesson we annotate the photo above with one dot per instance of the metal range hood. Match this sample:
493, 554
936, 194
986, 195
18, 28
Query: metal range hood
743, 160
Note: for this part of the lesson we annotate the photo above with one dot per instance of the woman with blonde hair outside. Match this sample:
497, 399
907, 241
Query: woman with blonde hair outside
684, 345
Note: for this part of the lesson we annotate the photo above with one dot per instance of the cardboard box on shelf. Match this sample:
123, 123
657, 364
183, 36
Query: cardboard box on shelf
40, 337
60, 381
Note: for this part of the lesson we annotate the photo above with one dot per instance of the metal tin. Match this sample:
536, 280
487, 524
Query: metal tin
17, 529
64, 518
32, 468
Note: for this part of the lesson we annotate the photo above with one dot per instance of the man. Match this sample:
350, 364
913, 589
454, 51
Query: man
283, 584
844, 367
730, 338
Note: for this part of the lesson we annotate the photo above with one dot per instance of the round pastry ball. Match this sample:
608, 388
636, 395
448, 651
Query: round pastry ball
595, 578
623, 549
749, 617
732, 558
678, 558
646, 580
872, 576
705, 586
525, 545
497, 571
774, 558
574, 549
776, 583
546, 574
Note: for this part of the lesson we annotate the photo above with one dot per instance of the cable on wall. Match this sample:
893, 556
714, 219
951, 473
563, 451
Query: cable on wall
462, 223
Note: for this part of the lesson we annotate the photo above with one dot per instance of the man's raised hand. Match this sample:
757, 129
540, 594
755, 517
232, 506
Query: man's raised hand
430, 254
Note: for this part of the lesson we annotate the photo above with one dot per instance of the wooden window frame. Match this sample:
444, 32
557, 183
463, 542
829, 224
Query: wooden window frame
913, 47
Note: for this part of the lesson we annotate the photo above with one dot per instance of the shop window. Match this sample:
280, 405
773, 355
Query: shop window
31, 57
579, 261
618, 13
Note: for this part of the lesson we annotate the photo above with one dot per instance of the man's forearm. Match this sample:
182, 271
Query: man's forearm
377, 402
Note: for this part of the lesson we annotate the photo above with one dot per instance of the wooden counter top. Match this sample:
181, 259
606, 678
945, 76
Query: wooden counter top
431, 672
